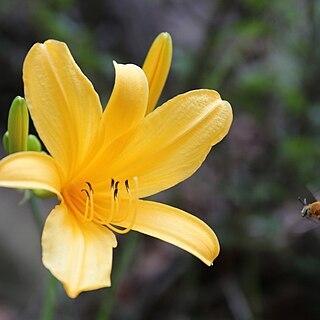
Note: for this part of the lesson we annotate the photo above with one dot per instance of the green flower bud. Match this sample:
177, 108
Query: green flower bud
18, 125
5, 142
33, 143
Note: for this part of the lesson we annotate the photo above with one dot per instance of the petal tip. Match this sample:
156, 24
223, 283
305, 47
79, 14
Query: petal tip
165, 35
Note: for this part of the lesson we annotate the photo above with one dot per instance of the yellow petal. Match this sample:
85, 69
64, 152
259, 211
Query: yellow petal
30, 170
77, 253
172, 141
128, 101
156, 67
176, 227
63, 105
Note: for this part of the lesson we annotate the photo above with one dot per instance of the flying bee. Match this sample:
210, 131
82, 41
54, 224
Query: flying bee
311, 210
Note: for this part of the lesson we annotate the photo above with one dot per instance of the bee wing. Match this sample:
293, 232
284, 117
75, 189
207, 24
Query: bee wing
313, 219
314, 192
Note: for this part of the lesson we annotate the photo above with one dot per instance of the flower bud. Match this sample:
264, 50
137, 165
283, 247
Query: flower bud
5, 142
18, 126
33, 143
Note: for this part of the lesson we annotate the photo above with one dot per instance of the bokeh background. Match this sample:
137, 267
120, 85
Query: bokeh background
262, 56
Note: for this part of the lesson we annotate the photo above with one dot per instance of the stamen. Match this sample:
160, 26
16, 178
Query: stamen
127, 185
113, 196
86, 191
116, 200
86, 211
91, 203
89, 214
90, 186
111, 201
130, 199
135, 209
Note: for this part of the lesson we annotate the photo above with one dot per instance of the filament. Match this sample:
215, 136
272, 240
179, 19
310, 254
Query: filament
89, 208
114, 199
111, 202
86, 211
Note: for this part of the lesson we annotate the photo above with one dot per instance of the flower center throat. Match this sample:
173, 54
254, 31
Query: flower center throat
115, 193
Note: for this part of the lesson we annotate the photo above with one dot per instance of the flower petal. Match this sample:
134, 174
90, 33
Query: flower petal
30, 170
172, 141
128, 101
64, 107
176, 227
77, 253
156, 67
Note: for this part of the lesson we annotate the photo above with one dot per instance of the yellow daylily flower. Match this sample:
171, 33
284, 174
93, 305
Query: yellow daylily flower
102, 163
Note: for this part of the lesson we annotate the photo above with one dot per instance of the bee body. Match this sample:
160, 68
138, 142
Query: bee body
311, 210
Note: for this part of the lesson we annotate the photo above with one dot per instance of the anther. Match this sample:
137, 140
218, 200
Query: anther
86, 191
112, 183
127, 185
90, 186
116, 185
115, 194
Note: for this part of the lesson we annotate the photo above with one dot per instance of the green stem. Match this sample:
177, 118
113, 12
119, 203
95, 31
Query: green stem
50, 298
121, 266
34, 203
51, 290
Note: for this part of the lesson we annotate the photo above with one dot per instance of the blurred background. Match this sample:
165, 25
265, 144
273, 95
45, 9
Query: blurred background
262, 56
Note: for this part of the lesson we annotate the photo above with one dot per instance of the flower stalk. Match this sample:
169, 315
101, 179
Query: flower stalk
52, 283
121, 265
